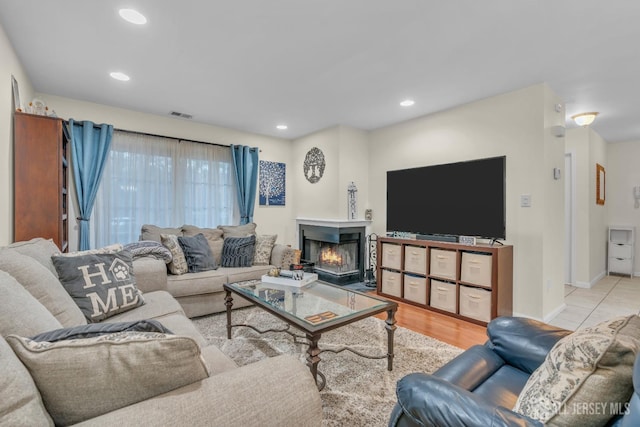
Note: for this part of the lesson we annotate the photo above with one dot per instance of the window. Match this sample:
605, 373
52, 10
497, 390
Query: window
165, 182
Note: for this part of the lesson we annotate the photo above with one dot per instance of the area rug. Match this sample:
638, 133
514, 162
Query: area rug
359, 391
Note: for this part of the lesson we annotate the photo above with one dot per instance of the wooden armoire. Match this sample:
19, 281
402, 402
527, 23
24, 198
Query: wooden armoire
41, 179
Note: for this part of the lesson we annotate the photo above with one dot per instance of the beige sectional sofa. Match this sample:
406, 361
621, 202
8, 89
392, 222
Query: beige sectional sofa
173, 379
201, 293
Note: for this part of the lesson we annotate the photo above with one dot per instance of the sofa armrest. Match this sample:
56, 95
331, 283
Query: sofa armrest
523, 343
281, 255
150, 273
471, 368
278, 391
426, 400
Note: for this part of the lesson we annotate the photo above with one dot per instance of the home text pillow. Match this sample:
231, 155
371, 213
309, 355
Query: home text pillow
592, 366
264, 246
238, 251
178, 264
80, 379
197, 253
101, 284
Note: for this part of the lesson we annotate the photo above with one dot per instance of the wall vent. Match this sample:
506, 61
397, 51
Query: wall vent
179, 114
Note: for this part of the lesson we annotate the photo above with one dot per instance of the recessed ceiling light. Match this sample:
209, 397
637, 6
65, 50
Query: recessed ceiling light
407, 102
119, 76
282, 127
133, 16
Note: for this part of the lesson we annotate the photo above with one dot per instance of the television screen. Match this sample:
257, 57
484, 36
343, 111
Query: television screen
465, 198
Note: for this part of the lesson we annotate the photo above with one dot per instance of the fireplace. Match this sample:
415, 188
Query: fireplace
336, 250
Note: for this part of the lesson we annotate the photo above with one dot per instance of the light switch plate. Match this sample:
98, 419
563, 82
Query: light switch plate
525, 200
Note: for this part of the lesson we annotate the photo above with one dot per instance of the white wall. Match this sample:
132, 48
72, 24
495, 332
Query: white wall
598, 220
9, 65
622, 174
270, 219
512, 124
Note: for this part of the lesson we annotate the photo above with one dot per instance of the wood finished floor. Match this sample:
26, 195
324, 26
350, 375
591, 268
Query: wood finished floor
443, 328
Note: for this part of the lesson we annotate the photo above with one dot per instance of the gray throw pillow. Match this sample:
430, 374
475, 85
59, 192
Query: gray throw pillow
97, 329
238, 251
100, 284
149, 248
197, 253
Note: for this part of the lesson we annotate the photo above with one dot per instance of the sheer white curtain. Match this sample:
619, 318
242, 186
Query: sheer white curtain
165, 182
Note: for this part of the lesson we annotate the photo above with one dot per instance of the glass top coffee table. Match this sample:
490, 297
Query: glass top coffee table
314, 309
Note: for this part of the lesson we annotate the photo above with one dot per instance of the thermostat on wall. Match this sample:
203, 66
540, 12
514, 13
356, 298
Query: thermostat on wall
467, 240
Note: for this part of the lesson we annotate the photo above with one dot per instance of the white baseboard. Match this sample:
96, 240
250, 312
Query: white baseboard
527, 316
554, 313
589, 285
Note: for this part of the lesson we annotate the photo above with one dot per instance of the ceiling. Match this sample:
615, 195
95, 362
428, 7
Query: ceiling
312, 64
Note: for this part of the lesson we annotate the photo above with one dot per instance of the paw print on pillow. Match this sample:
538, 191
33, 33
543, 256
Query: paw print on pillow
120, 270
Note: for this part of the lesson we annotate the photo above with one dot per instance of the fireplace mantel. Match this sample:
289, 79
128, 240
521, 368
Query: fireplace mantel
338, 223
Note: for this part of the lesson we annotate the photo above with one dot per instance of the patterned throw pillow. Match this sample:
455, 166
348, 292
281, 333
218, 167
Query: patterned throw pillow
71, 375
197, 253
591, 368
178, 264
100, 284
238, 251
149, 248
264, 246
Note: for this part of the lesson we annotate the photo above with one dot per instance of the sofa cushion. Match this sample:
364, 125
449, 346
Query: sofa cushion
263, 248
158, 304
179, 324
238, 230
20, 312
153, 232
178, 264
39, 249
40, 282
101, 284
213, 236
197, 283
21, 403
238, 251
249, 273
592, 366
97, 329
83, 378
197, 253
109, 249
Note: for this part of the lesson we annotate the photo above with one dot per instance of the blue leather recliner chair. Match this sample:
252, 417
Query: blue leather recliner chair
479, 387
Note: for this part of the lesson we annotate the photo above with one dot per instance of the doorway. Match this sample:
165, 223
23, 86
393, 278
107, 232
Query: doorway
569, 218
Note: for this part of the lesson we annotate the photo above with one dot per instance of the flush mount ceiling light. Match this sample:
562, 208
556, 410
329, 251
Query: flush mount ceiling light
282, 127
133, 16
119, 76
585, 119
407, 103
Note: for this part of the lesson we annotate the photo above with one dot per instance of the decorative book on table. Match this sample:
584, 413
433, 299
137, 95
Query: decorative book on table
284, 280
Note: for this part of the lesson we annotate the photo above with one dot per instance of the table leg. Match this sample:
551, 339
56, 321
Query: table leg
313, 356
228, 302
390, 327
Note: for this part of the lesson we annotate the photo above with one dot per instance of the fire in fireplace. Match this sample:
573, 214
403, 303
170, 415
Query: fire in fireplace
337, 253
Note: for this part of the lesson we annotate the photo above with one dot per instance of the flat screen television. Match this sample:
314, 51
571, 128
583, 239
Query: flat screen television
459, 199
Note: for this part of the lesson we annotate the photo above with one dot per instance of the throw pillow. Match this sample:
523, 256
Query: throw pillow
264, 246
213, 236
178, 264
197, 253
80, 379
589, 368
43, 285
153, 232
149, 248
21, 404
96, 329
238, 251
20, 312
238, 230
100, 284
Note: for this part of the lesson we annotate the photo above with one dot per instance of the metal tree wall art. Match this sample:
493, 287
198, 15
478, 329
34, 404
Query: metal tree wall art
314, 165
352, 200
272, 183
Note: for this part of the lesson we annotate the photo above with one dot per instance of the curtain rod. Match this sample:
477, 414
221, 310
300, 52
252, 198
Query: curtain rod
172, 137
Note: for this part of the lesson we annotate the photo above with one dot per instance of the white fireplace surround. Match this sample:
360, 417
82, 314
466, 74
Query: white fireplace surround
337, 223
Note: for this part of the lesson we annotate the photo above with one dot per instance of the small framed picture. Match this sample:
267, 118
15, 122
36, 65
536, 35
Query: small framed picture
16, 94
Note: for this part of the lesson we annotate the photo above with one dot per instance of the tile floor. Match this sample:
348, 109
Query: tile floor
610, 297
